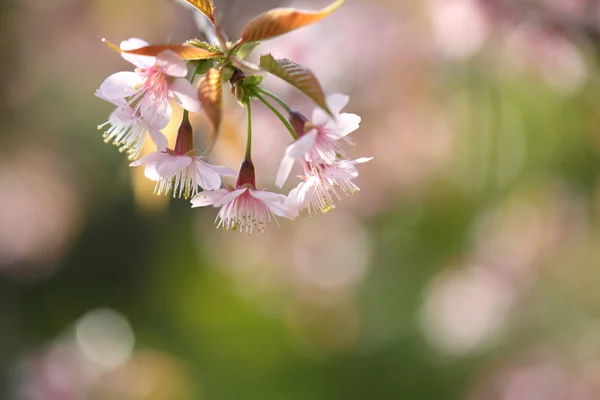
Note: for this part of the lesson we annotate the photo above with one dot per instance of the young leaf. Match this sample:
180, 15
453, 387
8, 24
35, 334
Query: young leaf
184, 51
283, 20
201, 66
204, 45
211, 96
252, 80
296, 75
206, 7
245, 50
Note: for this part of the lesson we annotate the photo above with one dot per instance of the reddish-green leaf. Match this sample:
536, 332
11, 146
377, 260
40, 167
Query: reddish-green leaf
211, 96
184, 51
282, 20
296, 75
206, 7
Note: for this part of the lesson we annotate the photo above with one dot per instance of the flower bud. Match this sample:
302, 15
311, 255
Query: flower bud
246, 174
185, 137
298, 122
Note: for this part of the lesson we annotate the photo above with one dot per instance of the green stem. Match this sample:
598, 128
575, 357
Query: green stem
282, 103
249, 137
283, 120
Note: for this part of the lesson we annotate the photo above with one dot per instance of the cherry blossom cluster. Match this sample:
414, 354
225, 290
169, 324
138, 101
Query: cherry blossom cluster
191, 75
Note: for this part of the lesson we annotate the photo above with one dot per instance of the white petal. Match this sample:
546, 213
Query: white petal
359, 160
120, 85
230, 197
320, 117
337, 102
277, 203
151, 173
159, 139
186, 95
155, 113
306, 191
221, 169
343, 125
208, 179
133, 43
168, 165
346, 174
119, 102
146, 159
121, 116
208, 198
302, 145
139, 61
284, 170
169, 63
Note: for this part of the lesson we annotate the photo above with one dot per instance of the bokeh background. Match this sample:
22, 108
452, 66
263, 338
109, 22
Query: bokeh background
468, 267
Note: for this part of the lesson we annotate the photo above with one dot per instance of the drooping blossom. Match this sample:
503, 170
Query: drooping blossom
127, 130
181, 169
318, 139
149, 88
183, 173
322, 183
244, 207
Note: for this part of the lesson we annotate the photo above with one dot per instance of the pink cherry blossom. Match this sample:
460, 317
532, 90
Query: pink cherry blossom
183, 173
128, 131
320, 144
322, 183
149, 88
246, 208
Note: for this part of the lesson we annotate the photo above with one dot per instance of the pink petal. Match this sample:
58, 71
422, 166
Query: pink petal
337, 102
160, 140
155, 113
119, 102
151, 173
208, 198
277, 203
229, 197
169, 63
304, 192
144, 62
343, 125
121, 115
320, 117
220, 169
335, 172
358, 160
152, 157
284, 170
120, 85
302, 145
208, 179
186, 95
168, 165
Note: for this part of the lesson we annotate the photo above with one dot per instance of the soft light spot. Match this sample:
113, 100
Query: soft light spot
105, 338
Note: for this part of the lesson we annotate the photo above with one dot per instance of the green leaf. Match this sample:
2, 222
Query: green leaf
252, 80
245, 49
200, 67
227, 73
296, 75
204, 45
